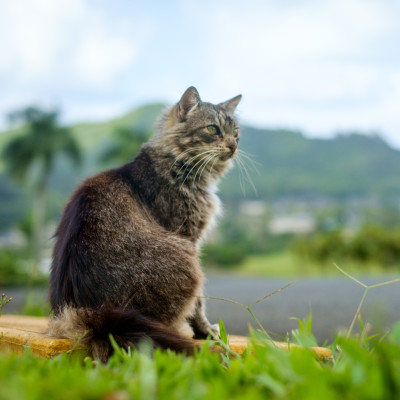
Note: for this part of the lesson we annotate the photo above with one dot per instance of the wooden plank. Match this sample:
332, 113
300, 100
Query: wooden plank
19, 332
25, 323
16, 340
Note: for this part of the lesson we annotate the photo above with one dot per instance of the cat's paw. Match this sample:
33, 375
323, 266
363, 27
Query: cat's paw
215, 330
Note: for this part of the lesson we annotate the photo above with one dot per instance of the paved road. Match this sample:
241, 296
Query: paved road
333, 303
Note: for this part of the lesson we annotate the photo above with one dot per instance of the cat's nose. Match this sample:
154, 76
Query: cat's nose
233, 147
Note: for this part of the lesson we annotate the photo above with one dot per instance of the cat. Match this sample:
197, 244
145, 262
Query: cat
126, 257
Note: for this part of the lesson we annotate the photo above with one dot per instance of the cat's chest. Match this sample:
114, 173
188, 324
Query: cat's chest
189, 214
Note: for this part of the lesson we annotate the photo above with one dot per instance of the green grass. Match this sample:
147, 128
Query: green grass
361, 369
287, 265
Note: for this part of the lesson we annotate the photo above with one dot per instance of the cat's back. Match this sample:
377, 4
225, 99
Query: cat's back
104, 192
101, 206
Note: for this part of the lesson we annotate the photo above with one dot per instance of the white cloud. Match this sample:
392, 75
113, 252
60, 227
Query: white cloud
33, 33
99, 57
93, 111
315, 65
50, 49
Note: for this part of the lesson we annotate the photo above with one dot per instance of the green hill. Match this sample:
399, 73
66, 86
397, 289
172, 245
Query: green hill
289, 165
92, 136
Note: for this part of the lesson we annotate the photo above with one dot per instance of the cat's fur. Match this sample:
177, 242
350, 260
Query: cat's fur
126, 259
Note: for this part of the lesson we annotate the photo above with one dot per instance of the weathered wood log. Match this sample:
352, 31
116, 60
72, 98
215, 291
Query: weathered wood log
21, 332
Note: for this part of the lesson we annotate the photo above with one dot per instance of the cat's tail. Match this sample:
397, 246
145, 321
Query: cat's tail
92, 329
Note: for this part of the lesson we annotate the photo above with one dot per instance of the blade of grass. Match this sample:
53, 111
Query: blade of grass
248, 307
366, 289
271, 294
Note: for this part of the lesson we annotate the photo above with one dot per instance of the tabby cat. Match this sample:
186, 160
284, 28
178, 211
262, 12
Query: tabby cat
126, 258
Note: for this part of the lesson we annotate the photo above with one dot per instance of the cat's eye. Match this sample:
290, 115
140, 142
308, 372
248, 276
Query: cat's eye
212, 129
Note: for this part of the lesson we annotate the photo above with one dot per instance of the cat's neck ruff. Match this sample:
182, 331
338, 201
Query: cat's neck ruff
187, 174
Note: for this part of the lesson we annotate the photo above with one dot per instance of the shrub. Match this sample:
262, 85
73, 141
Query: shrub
322, 246
369, 244
373, 243
16, 267
223, 254
12, 269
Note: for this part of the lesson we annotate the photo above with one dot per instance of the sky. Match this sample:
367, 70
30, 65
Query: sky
317, 66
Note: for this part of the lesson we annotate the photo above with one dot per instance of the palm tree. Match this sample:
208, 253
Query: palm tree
32, 155
126, 144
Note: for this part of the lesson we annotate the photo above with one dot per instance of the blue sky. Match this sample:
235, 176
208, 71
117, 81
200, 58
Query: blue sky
317, 66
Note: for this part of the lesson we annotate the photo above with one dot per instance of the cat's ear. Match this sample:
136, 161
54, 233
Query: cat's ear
230, 105
189, 100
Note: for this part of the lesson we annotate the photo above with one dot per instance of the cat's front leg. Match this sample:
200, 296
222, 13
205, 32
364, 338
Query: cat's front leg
199, 322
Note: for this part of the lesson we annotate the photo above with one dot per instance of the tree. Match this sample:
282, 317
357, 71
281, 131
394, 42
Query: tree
126, 144
31, 156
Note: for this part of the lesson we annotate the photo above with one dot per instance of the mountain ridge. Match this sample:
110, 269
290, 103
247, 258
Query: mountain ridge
290, 164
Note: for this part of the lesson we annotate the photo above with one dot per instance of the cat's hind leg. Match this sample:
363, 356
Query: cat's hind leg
199, 322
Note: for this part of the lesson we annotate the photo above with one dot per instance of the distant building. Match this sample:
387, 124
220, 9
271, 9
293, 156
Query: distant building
13, 238
299, 223
253, 208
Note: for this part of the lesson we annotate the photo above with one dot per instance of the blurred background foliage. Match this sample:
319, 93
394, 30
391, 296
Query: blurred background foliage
371, 243
317, 200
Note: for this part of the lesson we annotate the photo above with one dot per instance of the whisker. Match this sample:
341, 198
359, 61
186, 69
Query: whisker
186, 151
205, 159
252, 162
202, 168
198, 162
187, 163
250, 180
246, 152
212, 166
241, 177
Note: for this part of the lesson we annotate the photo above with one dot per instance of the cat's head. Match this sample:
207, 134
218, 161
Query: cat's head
201, 134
